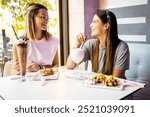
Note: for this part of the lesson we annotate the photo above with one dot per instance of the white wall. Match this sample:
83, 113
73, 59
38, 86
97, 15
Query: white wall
120, 3
76, 19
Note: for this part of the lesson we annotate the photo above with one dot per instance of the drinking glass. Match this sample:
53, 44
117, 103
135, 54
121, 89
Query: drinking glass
22, 53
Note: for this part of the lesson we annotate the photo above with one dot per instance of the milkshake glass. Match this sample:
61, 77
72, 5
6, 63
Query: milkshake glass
22, 56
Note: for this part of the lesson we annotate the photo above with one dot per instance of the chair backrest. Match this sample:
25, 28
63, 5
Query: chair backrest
139, 63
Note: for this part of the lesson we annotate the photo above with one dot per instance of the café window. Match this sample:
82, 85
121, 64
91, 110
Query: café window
12, 13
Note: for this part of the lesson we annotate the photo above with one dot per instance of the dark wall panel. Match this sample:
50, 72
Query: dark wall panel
131, 12
90, 6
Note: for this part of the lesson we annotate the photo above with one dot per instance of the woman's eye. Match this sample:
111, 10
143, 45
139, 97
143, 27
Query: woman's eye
94, 21
44, 17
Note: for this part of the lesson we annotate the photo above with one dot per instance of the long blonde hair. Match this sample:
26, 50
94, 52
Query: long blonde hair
31, 12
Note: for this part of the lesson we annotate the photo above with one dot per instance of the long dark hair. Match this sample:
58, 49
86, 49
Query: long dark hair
112, 39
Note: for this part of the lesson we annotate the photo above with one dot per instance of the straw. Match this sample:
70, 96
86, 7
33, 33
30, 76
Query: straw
14, 32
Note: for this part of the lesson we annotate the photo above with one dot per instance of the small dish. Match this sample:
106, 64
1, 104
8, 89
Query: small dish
87, 83
36, 76
50, 77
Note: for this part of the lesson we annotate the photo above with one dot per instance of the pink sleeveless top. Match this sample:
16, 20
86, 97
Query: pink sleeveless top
41, 51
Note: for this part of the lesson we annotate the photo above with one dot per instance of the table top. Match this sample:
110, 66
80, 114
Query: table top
142, 94
62, 89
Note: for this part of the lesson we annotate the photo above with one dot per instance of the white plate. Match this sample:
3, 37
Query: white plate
32, 74
50, 77
35, 76
102, 86
122, 83
79, 74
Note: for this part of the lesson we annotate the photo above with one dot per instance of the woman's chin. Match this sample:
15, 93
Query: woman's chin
92, 35
44, 29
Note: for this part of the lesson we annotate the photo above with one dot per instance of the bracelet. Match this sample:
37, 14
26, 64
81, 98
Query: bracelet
40, 66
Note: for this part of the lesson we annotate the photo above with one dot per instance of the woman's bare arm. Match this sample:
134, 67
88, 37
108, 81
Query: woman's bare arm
80, 38
70, 64
118, 73
56, 59
15, 58
15, 55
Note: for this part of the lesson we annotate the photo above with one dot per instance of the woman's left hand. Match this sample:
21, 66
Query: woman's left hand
33, 67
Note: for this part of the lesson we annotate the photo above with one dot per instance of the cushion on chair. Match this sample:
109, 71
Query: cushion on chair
139, 63
9, 69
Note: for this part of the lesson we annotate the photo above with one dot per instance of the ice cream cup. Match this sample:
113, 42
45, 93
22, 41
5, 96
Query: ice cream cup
77, 55
22, 57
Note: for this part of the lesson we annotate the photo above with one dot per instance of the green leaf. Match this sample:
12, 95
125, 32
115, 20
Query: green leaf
17, 13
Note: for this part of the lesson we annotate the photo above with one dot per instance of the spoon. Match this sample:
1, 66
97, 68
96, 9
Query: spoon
83, 42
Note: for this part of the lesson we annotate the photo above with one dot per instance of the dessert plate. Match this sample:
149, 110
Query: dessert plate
122, 83
78, 74
88, 83
55, 76
35, 76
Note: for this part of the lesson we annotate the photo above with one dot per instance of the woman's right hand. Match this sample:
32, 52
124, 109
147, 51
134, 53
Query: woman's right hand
32, 67
80, 38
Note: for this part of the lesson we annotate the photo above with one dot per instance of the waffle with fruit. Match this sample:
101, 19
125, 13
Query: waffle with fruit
46, 72
110, 81
107, 81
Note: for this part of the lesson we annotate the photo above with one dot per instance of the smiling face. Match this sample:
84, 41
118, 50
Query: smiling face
41, 19
97, 27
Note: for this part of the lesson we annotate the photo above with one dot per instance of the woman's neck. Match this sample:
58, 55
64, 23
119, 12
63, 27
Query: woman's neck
102, 40
39, 35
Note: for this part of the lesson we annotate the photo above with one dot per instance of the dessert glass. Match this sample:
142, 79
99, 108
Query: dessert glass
22, 56
77, 55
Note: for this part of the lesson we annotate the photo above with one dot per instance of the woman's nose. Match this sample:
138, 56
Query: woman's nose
90, 25
46, 21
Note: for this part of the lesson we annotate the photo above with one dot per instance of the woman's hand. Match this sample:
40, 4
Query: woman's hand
32, 67
80, 38
16, 65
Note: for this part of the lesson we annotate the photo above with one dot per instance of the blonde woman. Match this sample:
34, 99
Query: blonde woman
42, 48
